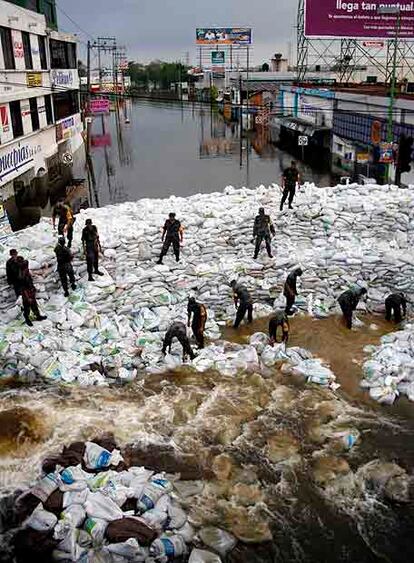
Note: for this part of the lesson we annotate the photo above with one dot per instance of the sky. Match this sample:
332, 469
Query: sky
165, 29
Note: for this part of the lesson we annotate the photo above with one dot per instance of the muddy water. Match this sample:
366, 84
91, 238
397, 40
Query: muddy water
343, 349
264, 450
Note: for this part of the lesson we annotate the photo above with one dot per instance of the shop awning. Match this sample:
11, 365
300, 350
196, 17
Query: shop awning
295, 124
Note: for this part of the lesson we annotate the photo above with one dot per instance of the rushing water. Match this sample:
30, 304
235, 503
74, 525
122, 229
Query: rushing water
262, 445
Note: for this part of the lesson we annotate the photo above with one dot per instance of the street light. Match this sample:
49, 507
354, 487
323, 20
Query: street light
394, 11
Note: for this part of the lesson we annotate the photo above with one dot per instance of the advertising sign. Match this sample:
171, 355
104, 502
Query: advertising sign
340, 18
15, 160
218, 58
64, 78
99, 106
34, 79
362, 157
376, 132
224, 35
386, 153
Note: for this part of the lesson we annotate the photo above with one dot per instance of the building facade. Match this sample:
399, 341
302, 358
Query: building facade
45, 7
40, 122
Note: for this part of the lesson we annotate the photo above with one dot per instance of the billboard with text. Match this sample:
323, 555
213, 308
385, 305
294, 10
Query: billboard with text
340, 18
223, 36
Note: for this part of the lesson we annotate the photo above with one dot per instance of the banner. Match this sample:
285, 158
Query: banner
340, 18
224, 35
218, 58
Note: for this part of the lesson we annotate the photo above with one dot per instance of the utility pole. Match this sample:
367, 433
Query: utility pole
392, 10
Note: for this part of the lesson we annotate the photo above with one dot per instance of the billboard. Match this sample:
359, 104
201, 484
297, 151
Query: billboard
340, 18
224, 35
218, 58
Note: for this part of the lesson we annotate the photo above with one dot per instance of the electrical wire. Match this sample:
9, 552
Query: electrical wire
380, 112
74, 22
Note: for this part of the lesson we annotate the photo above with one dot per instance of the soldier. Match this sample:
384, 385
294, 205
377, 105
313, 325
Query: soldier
64, 265
66, 220
172, 235
348, 302
199, 313
290, 290
279, 319
178, 330
91, 248
290, 179
262, 231
394, 304
28, 293
12, 271
243, 302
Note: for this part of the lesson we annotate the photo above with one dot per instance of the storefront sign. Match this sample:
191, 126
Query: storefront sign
63, 78
99, 106
16, 160
34, 79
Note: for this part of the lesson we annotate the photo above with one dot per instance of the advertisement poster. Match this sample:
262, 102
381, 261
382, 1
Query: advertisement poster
224, 35
387, 153
339, 18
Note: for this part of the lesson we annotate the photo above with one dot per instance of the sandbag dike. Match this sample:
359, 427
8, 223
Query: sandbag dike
112, 329
285, 467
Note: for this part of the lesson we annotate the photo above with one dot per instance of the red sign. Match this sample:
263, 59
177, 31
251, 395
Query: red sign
18, 49
4, 119
101, 140
99, 106
373, 44
344, 18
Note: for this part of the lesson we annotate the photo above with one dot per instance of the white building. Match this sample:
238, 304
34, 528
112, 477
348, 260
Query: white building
39, 109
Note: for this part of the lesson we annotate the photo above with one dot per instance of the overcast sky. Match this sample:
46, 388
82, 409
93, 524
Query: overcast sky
165, 29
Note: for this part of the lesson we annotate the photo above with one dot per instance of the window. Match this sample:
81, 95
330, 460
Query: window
49, 12
34, 114
48, 106
7, 45
71, 47
27, 50
16, 118
65, 104
42, 52
32, 5
63, 55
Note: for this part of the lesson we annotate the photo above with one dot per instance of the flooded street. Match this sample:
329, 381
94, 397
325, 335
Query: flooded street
183, 149
266, 448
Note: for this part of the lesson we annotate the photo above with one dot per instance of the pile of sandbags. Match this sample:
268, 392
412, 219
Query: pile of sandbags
112, 328
390, 370
89, 506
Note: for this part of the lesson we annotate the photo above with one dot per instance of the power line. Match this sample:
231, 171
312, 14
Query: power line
74, 22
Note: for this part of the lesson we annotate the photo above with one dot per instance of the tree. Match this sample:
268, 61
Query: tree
265, 67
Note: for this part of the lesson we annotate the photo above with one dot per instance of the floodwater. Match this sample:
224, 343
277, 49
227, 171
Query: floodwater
263, 448
172, 148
